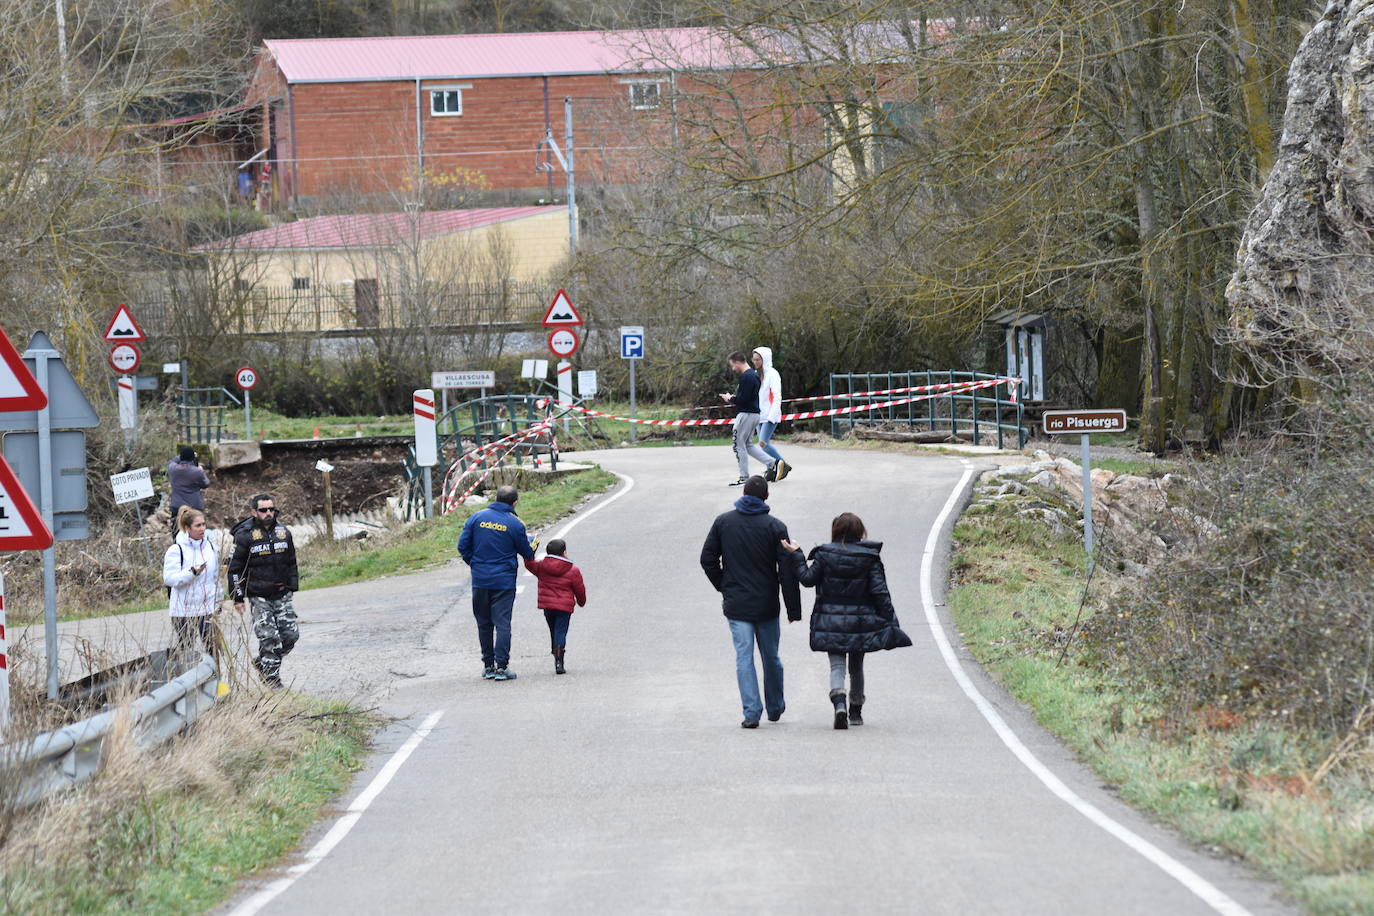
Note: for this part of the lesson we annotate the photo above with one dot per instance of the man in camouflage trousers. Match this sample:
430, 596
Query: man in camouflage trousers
263, 570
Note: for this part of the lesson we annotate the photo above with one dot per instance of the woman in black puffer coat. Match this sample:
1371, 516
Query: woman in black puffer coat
853, 613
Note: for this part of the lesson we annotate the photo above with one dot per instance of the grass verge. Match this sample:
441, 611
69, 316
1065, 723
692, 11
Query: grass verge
423, 545
172, 831
1242, 786
433, 542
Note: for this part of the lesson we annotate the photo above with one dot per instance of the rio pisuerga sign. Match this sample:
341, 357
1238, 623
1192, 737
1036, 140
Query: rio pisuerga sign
1073, 422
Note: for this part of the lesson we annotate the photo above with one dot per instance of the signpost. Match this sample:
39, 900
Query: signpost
247, 377
1085, 423
426, 442
125, 358
130, 487
586, 383
534, 368
471, 378
632, 348
18, 388
324, 467
128, 408
123, 328
562, 316
66, 409
563, 342
21, 528
561, 312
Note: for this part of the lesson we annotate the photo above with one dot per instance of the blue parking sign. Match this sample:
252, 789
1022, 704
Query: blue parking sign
631, 343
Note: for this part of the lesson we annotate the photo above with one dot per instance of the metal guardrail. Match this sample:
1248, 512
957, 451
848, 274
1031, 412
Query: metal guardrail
70, 755
985, 412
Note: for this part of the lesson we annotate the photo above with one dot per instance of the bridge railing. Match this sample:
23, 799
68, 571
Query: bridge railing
986, 413
473, 424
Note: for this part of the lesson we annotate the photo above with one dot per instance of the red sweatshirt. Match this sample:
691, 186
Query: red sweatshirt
560, 583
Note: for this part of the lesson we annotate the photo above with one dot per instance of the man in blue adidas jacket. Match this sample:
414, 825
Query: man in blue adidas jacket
490, 541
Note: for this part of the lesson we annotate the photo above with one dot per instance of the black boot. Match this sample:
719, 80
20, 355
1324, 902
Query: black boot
856, 716
841, 715
558, 661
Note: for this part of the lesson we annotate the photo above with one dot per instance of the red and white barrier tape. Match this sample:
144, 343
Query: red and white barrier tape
963, 388
1012, 384
480, 456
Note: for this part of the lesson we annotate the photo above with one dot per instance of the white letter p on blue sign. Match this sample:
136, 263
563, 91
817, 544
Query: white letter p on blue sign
631, 343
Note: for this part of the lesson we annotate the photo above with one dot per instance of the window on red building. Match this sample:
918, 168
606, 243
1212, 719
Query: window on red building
644, 94
446, 101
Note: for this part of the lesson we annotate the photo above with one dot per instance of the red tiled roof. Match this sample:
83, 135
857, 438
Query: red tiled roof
369, 230
306, 60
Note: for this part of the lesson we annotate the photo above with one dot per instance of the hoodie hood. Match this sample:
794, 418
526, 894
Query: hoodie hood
751, 505
558, 569
767, 355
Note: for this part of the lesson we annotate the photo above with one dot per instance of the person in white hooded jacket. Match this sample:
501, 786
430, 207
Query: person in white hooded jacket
770, 410
190, 570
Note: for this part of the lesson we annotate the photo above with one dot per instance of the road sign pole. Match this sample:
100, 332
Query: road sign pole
142, 535
4, 665
1087, 497
634, 427
45, 504
429, 493
565, 389
247, 415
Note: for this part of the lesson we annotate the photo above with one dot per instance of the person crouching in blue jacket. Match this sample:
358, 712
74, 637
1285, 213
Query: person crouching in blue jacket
489, 544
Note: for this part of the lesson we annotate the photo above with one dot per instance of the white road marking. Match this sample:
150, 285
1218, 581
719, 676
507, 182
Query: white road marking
629, 485
1208, 892
344, 824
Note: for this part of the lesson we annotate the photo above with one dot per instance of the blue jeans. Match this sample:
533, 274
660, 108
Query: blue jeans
766, 633
766, 440
558, 626
492, 607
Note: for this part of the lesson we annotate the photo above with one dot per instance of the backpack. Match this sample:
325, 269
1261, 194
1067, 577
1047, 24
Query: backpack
182, 554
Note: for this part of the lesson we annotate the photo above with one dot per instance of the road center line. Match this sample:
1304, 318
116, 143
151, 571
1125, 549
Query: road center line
344, 824
1208, 892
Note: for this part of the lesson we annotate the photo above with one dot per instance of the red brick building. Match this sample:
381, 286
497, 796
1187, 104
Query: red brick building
459, 118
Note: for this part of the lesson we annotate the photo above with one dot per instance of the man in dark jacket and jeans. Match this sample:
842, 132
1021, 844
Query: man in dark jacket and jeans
489, 543
744, 558
263, 570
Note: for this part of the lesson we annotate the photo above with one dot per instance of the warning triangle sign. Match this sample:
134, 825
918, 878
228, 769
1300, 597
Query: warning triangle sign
18, 388
561, 312
21, 527
123, 328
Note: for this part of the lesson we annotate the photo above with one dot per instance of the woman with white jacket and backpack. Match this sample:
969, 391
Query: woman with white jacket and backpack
190, 570
770, 410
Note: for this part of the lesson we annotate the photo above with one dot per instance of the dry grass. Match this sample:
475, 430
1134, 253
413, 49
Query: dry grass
135, 838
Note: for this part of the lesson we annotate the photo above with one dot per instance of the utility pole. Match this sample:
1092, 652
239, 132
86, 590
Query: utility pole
572, 180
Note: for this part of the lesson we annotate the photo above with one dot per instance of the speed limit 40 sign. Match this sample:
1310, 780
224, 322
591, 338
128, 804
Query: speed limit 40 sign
246, 377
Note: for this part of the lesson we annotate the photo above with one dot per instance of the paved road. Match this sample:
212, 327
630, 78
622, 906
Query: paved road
627, 786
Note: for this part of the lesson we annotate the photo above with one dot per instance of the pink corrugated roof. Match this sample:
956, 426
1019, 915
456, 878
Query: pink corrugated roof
305, 60
368, 230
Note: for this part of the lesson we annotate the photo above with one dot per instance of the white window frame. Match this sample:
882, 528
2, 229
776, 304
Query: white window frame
631, 85
434, 91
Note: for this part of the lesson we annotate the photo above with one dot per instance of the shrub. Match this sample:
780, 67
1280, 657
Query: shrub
1271, 610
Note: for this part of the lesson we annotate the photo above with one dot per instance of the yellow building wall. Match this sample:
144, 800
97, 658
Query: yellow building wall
522, 249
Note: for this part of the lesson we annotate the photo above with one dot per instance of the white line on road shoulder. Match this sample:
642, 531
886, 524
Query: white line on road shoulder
1208, 892
629, 485
342, 825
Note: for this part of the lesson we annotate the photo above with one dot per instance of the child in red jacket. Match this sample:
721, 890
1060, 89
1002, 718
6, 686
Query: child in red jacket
560, 587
